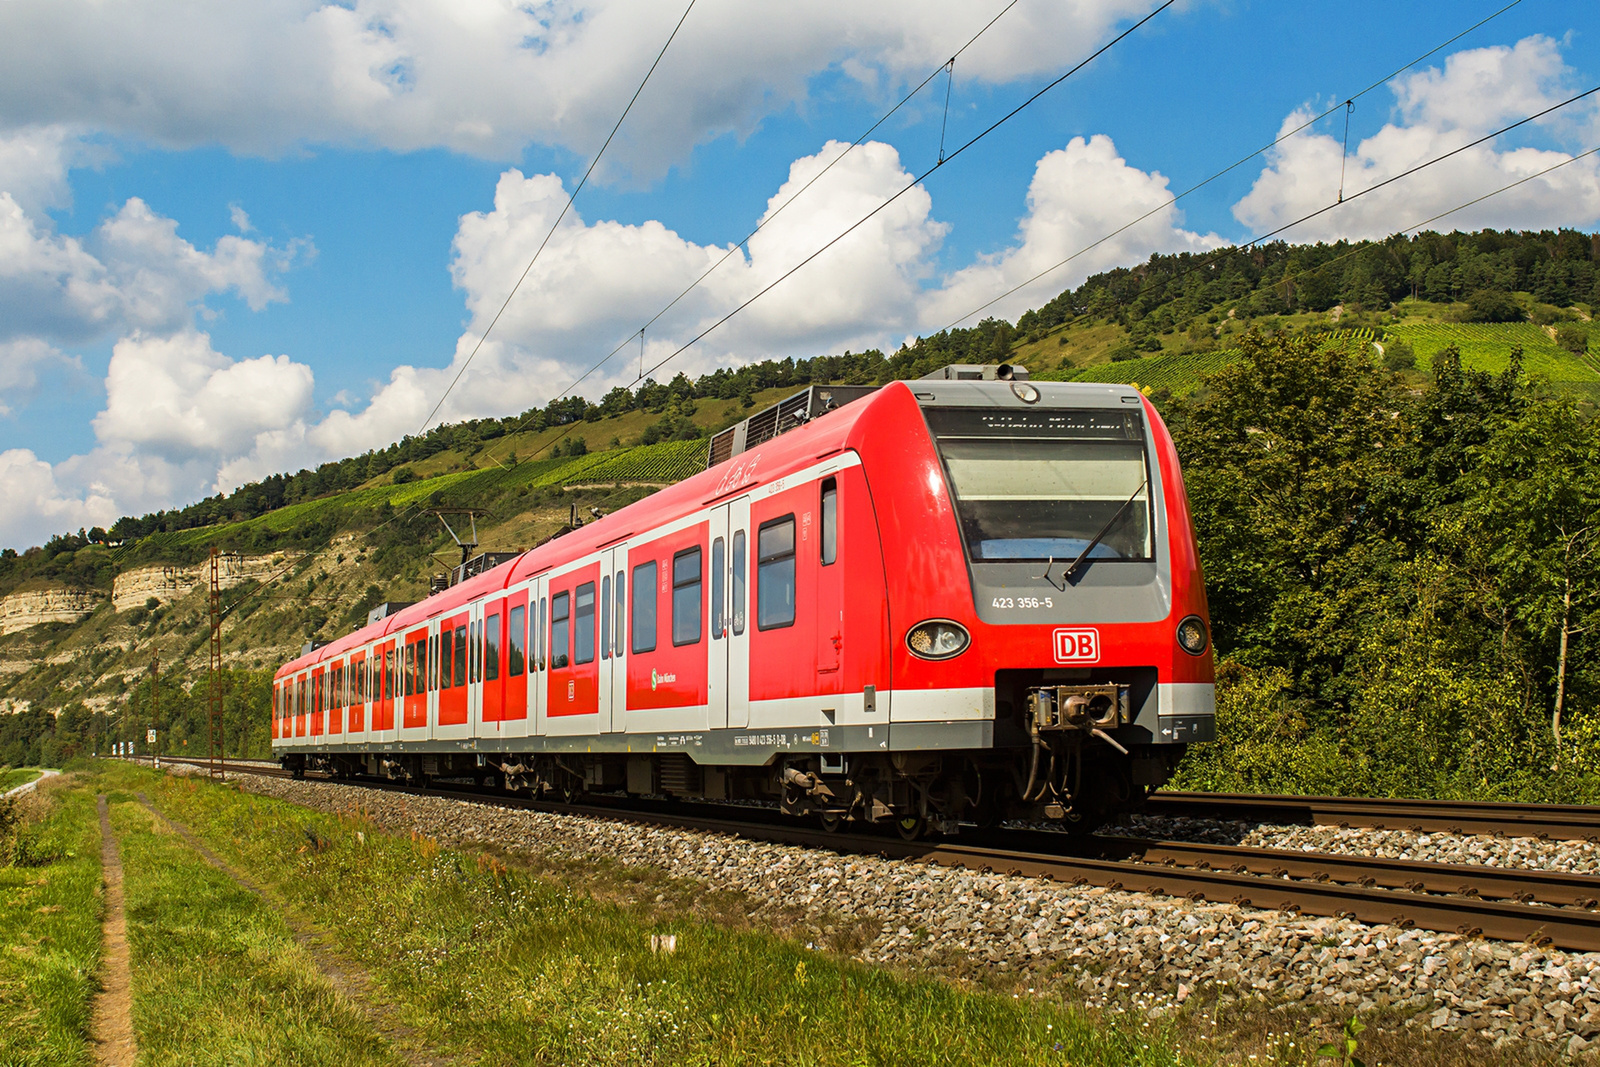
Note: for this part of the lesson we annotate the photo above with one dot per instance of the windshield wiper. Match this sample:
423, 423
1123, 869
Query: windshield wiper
1066, 575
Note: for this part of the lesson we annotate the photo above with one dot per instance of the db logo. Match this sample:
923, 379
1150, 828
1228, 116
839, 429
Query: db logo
1077, 645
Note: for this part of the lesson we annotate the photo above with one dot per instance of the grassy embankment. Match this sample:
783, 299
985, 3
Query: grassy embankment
500, 967
1082, 351
499, 964
11, 777
49, 926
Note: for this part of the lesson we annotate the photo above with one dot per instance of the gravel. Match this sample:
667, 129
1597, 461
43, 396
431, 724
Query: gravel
1116, 949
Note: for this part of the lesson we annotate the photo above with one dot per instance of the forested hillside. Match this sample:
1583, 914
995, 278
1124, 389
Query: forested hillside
1390, 447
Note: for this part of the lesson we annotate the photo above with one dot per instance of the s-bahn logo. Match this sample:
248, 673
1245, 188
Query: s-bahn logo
1077, 645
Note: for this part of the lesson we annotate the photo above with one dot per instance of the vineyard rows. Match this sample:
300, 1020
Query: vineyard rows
1487, 346
668, 461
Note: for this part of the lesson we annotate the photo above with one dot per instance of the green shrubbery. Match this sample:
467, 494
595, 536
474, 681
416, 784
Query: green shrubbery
1405, 588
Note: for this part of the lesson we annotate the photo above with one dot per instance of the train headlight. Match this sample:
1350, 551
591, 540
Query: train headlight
1192, 635
938, 639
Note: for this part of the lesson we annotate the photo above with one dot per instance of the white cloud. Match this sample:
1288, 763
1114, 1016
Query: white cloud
1478, 91
176, 397
34, 161
1079, 195
596, 282
132, 272
488, 77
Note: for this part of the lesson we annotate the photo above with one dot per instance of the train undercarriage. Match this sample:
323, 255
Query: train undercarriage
1069, 777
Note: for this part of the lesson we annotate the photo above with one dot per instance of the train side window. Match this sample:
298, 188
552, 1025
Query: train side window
830, 521
583, 624
686, 583
447, 655
433, 663
605, 616
738, 582
408, 671
475, 650
389, 674
419, 669
775, 574
560, 646
518, 622
616, 637
718, 561
491, 648
644, 607
544, 635
461, 655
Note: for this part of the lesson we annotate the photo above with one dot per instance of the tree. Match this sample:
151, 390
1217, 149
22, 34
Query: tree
1492, 305
1534, 513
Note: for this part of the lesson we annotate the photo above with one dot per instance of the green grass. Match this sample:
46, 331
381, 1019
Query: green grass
664, 462
1487, 346
1179, 373
217, 976
50, 931
12, 777
508, 968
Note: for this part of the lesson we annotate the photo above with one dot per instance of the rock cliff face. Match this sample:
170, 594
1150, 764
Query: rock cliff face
34, 607
134, 588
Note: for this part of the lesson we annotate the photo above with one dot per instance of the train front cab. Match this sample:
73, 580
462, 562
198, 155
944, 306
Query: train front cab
1049, 625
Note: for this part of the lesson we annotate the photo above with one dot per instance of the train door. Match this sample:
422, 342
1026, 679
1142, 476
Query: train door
358, 696
492, 700
538, 652
618, 565
518, 666
717, 628
829, 641
735, 651
431, 678
573, 689
319, 694
336, 701
411, 660
613, 687
454, 711
383, 719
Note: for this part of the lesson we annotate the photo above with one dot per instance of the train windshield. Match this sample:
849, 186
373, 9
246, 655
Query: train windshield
1043, 484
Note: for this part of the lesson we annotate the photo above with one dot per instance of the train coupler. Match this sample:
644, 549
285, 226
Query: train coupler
1089, 708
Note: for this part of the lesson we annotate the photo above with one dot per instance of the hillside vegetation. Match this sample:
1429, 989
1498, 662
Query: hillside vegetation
1389, 445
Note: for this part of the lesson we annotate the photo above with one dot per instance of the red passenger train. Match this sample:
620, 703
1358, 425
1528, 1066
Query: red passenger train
959, 598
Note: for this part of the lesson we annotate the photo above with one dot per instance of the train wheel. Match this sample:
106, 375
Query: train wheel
831, 820
910, 827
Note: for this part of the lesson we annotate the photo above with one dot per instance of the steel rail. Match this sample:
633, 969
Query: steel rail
1521, 884
1271, 879
1559, 821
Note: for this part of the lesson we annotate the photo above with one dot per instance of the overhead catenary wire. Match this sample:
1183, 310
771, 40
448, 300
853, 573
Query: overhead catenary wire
767, 219
911, 185
555, 225
1235, 165
1423, 166
1291, 275
644, 374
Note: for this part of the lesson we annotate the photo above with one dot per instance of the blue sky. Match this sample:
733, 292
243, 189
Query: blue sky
241, 242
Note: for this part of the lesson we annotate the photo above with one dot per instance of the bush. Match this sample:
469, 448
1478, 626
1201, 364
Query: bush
1492, 305
404, 475
1573, 337
1123, 353
1398, 356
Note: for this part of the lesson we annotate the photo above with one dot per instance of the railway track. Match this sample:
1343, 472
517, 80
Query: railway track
1542, 907
1548, 821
